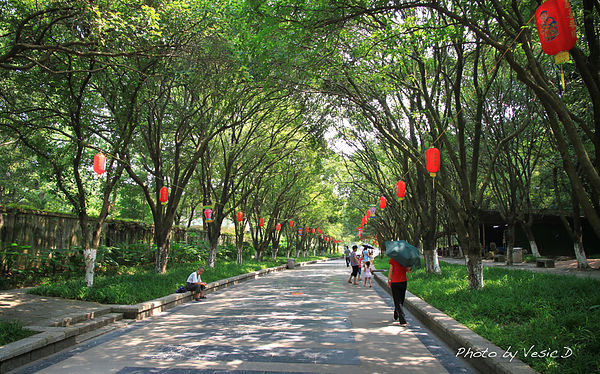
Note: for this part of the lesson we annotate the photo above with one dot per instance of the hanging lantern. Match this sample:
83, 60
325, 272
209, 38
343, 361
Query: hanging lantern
364, 220
556, 29
208, 214
291, 224
240, 216
382, 202
368, 214
278, 226
163, 195
261, 222
300, 232
401, 190
100, 163
433, 162
313, 230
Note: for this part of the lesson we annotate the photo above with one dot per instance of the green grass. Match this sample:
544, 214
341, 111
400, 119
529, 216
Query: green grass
144, 285
11, 331
521, 309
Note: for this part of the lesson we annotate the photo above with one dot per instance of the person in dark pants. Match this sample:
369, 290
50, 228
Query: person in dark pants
347, 255
397, 282
354, 264
194, 283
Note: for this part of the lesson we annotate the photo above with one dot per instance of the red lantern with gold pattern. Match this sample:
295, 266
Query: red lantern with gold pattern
163, 195
433, 161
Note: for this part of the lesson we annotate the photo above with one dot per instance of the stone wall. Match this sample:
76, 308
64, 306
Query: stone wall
43, 230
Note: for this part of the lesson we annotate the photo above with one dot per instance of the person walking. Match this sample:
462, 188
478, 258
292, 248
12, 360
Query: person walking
354, 264
368, 275
366, 256
347, 255
397, 282
194, 283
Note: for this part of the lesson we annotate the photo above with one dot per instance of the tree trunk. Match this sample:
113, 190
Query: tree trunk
474, 271
577, 237
510, 243
527, 227
212, 252
469, 239
432, 265
239, 242
275, 244
161, 238
582, 262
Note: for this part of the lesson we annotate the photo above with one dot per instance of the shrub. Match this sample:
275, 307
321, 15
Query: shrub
11, 331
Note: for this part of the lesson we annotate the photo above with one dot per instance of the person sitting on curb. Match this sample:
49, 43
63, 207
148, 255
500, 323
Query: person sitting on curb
195, 284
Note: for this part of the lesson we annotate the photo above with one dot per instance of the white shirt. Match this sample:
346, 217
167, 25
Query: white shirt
194, 278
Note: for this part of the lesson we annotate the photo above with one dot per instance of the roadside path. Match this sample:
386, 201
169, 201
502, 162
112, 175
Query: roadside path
309, 320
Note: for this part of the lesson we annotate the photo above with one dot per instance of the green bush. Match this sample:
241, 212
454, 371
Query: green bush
181, 252
521, 309
143, 284
11, 331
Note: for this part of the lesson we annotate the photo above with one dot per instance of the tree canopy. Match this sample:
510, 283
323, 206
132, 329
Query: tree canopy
305, 111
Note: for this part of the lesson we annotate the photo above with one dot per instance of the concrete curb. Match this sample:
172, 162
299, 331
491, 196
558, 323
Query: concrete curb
63, 334
479, 352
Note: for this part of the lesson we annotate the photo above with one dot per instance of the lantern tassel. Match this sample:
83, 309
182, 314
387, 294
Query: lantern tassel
562, 77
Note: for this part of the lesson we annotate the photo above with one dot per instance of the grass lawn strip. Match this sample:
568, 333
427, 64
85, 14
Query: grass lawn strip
536, 315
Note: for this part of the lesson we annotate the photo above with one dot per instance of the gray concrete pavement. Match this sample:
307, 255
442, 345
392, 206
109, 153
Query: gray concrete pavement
40, 310
308, 320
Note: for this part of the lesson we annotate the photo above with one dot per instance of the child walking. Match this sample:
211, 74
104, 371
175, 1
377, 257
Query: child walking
368, 275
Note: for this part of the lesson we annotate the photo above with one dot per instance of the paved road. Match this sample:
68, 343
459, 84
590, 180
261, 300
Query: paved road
309, 320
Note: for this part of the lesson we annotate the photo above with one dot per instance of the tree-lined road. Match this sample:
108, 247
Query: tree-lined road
306, 320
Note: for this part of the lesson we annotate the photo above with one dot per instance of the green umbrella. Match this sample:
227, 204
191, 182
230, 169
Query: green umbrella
407, 255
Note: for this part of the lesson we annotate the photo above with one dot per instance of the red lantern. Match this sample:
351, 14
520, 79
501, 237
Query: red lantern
240, 216
291, 224
401, 190
382, 202
208, 215
261, 222
556, 29
307, 229
368, 214
278, 226
100, 163
313, 230
433, 161
164, 195
364, 220
319, 230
